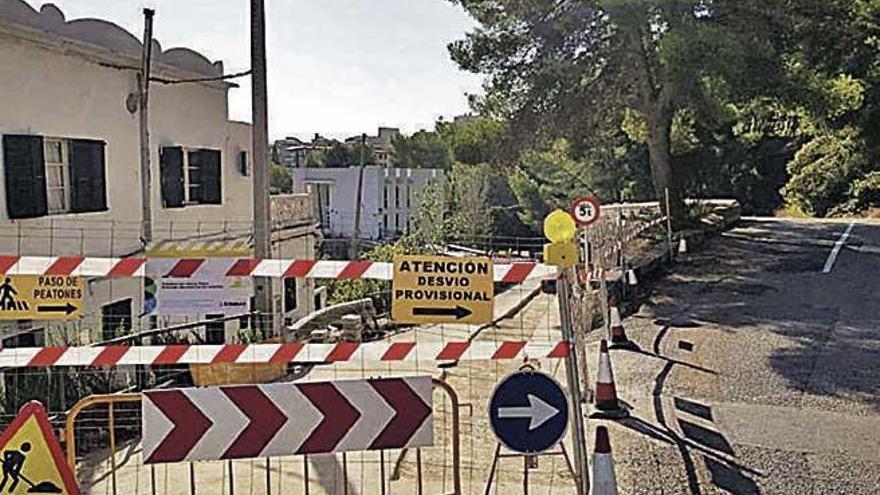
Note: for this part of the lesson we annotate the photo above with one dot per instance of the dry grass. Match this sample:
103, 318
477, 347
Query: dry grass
790, 212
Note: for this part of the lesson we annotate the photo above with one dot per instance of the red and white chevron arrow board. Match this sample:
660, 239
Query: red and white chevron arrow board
234, 267
238, 422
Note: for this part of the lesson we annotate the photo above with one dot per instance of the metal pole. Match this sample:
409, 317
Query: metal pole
112, 421
574, 389
262, 245
144, 107
353, 253
668, 226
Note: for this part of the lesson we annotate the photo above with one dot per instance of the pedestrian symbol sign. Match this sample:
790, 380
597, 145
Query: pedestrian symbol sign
438, 289
41, 297
32, 461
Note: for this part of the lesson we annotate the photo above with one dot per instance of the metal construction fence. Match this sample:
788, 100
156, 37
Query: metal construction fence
94, 393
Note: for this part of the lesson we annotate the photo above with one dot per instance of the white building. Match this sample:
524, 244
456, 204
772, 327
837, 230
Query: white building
389, 197
70, 170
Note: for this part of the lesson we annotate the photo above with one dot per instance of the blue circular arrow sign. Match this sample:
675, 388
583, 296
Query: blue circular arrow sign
528, 412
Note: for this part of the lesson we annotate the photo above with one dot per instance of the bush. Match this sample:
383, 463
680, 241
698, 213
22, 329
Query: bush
823, 170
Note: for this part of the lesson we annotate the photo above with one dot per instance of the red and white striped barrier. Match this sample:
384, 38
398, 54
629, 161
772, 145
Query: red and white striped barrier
240, 422
236, 267
293, 352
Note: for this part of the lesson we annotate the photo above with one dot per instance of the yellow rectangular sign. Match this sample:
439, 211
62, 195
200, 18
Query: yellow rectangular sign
438, 289
41, 297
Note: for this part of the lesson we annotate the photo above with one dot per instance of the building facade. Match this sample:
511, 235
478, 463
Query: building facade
389, 197
382, 144
70, 162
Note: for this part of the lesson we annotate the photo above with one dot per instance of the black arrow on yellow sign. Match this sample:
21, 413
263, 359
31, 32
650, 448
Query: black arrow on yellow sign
458, 312
57, 308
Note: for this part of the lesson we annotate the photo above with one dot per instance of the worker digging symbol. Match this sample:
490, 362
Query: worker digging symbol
8, 301
13, 464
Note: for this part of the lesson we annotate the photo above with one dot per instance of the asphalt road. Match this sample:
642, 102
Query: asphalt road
756, 372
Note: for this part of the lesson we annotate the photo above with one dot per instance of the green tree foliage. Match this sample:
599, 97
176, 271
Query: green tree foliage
343, 155
454, 208
565, 69
422, 150
280, 179
822, 171
474, 140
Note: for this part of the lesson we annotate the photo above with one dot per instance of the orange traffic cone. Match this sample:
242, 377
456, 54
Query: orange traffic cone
618, 333
605, 399
604, 479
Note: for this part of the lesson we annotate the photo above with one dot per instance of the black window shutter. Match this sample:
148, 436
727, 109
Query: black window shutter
89, 192
25, 173
194, 170
171, 171
211, 171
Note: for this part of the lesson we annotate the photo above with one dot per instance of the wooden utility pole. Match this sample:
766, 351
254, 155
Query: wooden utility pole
144, 107
262, 229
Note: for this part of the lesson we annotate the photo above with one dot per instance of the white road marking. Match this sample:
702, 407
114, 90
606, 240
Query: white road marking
829, 265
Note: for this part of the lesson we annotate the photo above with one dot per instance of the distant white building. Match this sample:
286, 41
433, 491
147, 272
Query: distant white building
389, 197
70, 174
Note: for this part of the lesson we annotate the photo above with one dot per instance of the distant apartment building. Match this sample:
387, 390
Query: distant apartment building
389, 198
70, 175
293, 152
382, 144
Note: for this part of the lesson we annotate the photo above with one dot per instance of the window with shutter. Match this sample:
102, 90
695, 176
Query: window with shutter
87, 177
190, 177
171, 170
211, 182
25, 175
195, 187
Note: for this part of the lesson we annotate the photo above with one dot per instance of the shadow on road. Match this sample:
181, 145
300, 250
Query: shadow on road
764, 275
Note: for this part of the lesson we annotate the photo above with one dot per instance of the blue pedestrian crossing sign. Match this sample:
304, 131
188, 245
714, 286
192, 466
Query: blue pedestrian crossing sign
528, 412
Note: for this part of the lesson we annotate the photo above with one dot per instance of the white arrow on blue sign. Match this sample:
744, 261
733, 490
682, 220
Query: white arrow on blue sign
528, 412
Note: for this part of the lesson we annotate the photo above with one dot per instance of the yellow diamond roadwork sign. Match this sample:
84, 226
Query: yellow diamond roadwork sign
32, 458
437, 289
41, 297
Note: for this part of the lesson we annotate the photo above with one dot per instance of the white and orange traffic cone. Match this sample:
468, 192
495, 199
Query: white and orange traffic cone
682, 246
604, 479
618, 333
631, 277
605, 400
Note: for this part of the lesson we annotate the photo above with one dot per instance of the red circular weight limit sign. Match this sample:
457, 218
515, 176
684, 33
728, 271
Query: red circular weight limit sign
585, 210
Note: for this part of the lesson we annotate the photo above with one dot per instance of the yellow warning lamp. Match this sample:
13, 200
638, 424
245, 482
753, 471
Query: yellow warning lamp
560, 228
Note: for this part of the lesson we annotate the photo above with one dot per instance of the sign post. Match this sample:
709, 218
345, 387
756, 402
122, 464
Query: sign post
560, 231
437, 289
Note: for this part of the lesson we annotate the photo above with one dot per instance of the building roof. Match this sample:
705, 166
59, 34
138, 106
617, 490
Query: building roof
98, 37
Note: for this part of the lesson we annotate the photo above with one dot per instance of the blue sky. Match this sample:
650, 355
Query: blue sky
338, 67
